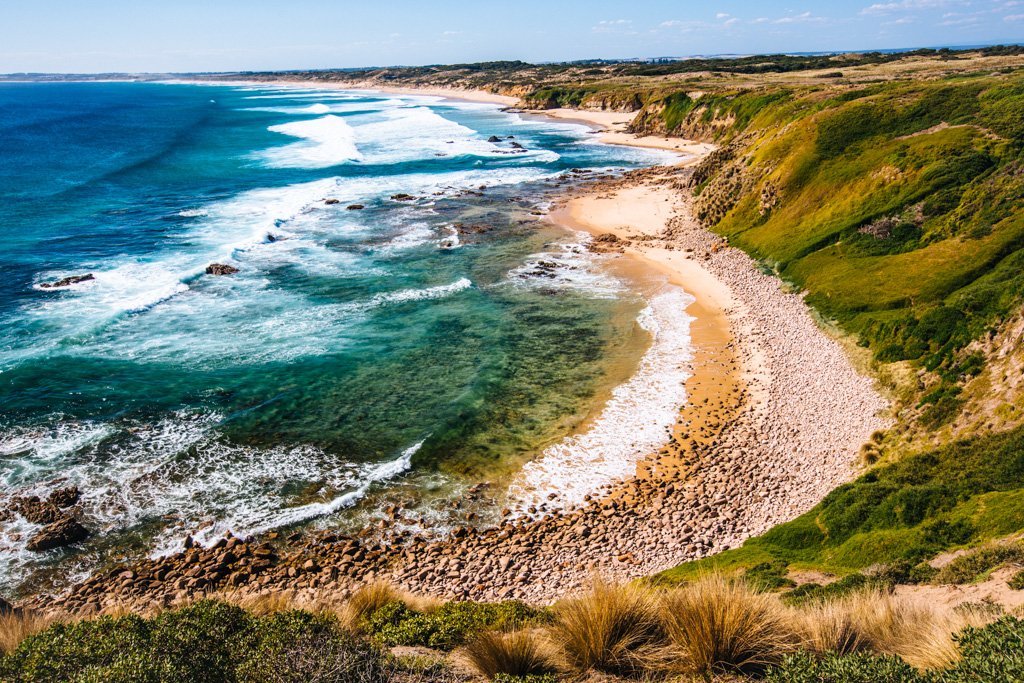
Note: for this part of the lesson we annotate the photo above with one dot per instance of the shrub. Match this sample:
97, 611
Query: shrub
979, 562
1016, 581
300, 647
614, 629
448, 626
194, 642
720, 625
992, 654
104, 649
858, 668
848, 585
518, 654
768, 576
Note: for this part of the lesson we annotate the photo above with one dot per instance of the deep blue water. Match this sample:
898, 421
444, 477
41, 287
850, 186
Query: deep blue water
410, 346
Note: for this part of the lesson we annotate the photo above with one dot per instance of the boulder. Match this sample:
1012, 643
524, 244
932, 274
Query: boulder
331, 202
355, 207
607, 238
35, 510
494, 138
68, 281
65, 497
220, 269
402, 197
60, 533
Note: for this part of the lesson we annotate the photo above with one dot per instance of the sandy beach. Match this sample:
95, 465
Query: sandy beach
774, 420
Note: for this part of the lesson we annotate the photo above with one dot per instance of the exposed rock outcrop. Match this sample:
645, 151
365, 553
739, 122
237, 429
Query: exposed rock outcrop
64, 531
220, 269
68, 281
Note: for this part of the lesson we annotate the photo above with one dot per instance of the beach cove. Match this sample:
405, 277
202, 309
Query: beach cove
763, 375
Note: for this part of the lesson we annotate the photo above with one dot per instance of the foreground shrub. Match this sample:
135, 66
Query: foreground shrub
857, 668
371, 598
518, 654
614, 629
721, 625
104, 649
300, 647
978, 563
195, 642
992, 654
449, 625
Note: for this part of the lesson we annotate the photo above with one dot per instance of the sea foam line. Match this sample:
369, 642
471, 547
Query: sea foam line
636, 421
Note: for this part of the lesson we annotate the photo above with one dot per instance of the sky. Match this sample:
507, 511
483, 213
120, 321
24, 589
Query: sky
91, 36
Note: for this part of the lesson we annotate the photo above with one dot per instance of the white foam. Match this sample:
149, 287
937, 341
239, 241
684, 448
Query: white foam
192, 213
568, 266
635, 422
180, 470
327, 141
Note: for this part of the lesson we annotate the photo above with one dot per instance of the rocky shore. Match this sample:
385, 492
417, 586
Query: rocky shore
774, 422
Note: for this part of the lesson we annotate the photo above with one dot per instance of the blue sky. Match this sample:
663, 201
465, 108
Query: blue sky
193, 35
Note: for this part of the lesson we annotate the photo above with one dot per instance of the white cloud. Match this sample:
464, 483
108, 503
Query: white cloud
1014, 17
614, 26
805, 17
722, 15
904, 5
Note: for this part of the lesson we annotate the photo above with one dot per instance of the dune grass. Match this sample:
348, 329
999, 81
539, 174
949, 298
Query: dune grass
518, 654
612, 629
721, 626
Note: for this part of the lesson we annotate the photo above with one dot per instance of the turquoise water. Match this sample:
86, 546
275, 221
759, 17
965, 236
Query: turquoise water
412, 347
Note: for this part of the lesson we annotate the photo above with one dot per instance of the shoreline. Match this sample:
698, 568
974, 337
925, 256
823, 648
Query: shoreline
737, 463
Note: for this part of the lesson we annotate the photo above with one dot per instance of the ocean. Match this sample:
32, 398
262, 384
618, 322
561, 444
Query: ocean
441, 336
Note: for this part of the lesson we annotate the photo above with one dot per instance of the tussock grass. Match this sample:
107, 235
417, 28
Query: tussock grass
519, 654
721, 626
828, 627
371, 597
613, 629
16, 626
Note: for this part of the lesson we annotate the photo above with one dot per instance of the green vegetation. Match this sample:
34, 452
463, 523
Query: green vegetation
713, 627
448, 626
960, 494
209, 641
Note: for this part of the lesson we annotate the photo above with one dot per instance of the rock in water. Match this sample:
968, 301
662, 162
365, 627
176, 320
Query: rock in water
220, 269
330, 202
355, 207
64, 531
402, 197
494, 138
35, 510
68, 281
65, 497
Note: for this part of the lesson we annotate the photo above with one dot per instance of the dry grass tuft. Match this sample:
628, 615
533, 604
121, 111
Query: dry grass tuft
876, 620
829, 627
16, 626
520, 653
371, 598
613, 629
721, 626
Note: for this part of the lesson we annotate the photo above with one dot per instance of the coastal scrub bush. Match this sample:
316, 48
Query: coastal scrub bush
990, 654
449, 625
856, 668
518, 654
768, 576
721, 626
209, 641
1016, 581
977, 563
301, 647
612, 629
104, 649
813, 592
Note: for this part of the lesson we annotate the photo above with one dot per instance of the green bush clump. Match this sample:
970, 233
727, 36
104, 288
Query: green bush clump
104, 649
449, 625
814, 592
855, 668
300, 647
978, 563
768, 576
209, 641
533, 678
993, 654
1016, 581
